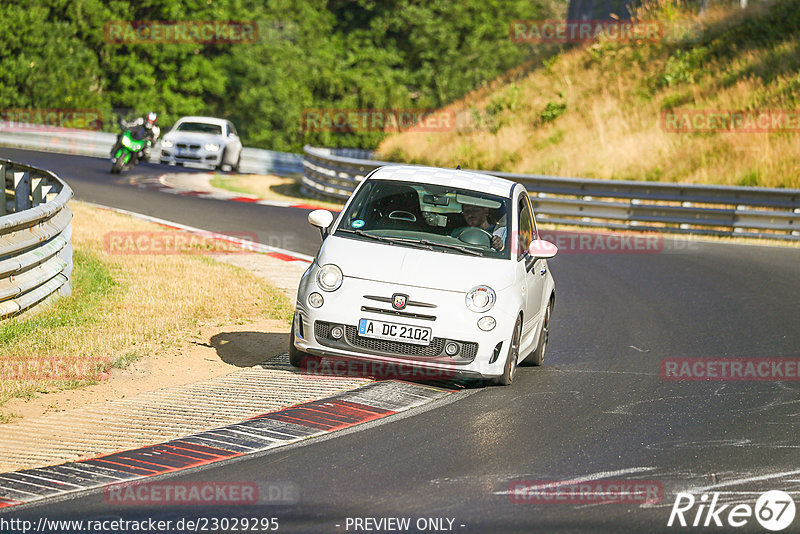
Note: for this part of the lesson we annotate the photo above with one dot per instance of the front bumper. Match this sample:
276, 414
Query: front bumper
191, 155
480, 354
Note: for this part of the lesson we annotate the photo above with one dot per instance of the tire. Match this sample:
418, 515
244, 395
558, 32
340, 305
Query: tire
116, 168
296, 357
537, 356
510, 368
222, 164
235, 168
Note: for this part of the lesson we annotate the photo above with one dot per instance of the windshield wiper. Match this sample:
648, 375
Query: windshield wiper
419, 243
445, 245
413, 242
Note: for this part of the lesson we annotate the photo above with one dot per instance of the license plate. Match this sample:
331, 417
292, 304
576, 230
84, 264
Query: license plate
417, 335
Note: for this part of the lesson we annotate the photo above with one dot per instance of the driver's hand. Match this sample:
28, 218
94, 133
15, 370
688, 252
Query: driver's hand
497, 243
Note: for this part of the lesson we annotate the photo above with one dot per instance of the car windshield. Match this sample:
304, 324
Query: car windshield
200, 127
420, 215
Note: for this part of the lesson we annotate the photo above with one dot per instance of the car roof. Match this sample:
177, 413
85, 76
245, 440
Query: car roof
209, 120
446, 177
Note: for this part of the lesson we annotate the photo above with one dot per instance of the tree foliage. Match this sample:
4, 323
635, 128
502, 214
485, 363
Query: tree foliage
310, 54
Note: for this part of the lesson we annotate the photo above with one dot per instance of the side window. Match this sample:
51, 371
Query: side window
526, 230
533, 217
232, 128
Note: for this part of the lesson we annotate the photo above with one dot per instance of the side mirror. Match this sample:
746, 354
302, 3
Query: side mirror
322, 219
542, 249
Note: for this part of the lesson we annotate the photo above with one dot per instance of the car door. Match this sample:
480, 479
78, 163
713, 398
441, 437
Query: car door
529, 266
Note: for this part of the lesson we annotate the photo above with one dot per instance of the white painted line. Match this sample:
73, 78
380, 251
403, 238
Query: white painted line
255, 247
60, 482
739, 481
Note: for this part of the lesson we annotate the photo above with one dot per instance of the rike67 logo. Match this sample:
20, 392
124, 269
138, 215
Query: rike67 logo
774, 510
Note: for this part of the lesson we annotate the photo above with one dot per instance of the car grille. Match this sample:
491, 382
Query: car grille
380, 346
398, 313
191, 147
394, 347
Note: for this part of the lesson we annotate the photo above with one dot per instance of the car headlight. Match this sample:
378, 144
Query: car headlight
480, 299
166, 143
212, 147
329, 277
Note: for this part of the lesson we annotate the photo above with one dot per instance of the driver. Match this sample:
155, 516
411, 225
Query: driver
478, 217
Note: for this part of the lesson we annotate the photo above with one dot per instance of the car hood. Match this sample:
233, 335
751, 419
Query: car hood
194, 137
414, 267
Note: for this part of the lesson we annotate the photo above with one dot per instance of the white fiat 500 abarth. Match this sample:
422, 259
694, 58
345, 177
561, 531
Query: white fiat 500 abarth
428, 269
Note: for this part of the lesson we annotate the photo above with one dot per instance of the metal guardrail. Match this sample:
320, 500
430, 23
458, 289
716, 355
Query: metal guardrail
98, 144
614, 204
35, 231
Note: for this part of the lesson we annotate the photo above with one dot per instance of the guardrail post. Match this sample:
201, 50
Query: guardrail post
36, 191
22, 190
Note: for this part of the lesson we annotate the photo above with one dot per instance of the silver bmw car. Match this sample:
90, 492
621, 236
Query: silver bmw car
204, 141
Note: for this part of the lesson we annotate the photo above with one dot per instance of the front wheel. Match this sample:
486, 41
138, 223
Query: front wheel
510, 369
116, 168
537, 358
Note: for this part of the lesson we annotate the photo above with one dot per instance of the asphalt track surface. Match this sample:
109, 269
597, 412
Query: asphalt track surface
598, 409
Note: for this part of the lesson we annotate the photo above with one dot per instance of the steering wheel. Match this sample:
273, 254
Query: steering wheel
473, 235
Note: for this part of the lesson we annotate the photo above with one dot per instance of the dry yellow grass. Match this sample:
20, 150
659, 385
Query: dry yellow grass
124, 307
271, 187
614, 96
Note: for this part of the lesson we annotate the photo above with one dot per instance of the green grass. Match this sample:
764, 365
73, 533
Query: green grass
92, 283
221, 182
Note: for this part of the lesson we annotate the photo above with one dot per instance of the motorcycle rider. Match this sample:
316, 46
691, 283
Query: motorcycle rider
142, 128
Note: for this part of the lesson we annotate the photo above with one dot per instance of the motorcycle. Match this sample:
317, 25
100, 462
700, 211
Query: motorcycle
129, 152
